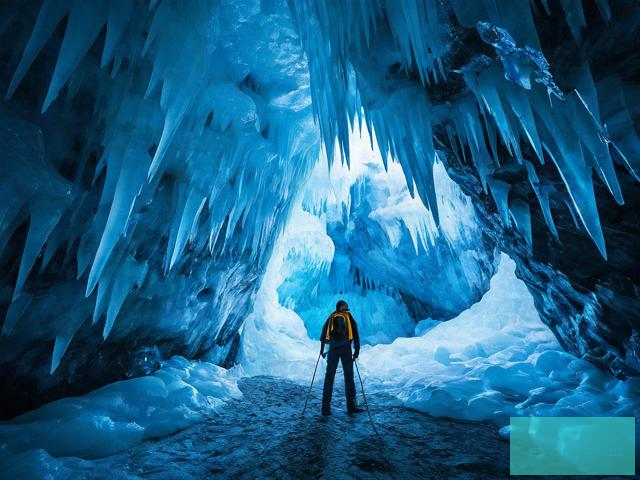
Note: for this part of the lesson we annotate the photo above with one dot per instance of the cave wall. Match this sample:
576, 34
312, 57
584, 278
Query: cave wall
150, 154
151, 151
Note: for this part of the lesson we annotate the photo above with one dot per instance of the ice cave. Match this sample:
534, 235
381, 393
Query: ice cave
197, 197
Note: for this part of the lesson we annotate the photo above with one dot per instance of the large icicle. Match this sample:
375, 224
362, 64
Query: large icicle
49, 16
44, 218
130, 181
84, 25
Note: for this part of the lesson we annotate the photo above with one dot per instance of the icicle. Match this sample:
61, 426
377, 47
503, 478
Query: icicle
130, 181
574, 16
500, 193
605, 10
59, 348
473, 130
586, 127
192, 208
17, 308
85, 22
543, 197
44, 217
132, 273
565, 150
619, 126
571, 208
119, 12
56, 238
75, 318
485, 91
522, 218
104, 293
519, 103
50, 14
181, 98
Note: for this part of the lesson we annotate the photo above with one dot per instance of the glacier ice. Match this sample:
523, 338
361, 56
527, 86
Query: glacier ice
537, 106
173, 140
141, 208
374, 245
393, 254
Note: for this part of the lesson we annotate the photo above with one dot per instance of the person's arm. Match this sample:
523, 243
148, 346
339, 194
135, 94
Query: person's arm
356, 337
323, 335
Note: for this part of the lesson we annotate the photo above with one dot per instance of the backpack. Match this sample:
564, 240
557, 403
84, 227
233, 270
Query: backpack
339, 328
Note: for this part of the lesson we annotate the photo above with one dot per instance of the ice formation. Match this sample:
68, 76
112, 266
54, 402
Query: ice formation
154, 151
121, 415
532, 107
507, 105
360, 236
172, 140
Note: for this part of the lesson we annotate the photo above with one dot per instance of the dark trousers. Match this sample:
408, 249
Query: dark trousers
343, 354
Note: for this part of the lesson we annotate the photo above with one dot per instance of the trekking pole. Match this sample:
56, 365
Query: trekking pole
371, 421
311, 386
365, 398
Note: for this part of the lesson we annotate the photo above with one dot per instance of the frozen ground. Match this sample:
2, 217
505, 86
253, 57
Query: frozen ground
190, 420
262, 435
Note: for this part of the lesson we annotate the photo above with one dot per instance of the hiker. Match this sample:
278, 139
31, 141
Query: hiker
339, 331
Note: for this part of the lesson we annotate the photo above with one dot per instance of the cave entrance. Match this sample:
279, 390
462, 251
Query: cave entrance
446, 326
358, 234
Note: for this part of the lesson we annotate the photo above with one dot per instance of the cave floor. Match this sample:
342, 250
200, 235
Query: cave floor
263, 435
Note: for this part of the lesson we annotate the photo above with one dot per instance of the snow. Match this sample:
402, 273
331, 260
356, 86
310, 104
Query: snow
119, 415
495, 360
274, 338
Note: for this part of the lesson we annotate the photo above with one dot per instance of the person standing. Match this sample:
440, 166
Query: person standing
339, 332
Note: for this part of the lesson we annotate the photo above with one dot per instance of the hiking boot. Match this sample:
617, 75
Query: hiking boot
355, 410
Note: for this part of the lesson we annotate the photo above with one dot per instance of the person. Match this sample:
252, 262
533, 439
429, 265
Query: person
339, 331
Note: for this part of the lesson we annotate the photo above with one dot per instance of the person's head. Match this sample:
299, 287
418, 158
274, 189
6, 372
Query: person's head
342, 306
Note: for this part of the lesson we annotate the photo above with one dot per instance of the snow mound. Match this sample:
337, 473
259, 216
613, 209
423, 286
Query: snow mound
495, 360
120, 415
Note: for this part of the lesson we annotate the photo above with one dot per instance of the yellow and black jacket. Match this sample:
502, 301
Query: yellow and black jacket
352, 326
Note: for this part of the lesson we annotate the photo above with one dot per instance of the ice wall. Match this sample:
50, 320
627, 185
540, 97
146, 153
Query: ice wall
151, 151
532, 106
